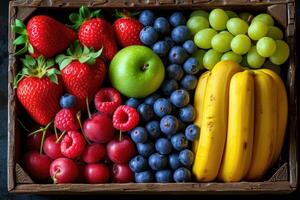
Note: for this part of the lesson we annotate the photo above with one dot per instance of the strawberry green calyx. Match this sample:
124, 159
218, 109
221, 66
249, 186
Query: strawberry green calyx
84, 14
78, 52
125, 14
20, 28
38, 68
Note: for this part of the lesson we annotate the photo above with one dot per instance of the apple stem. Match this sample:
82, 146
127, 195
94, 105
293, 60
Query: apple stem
144, 67
88, 107
78, 115
120, 136
60, 137
43, 136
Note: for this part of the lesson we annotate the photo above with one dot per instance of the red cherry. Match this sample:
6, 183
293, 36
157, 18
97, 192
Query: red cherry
99, 128
96, 173
94, 153
72, 144
122, 173
64, 170
37, 165
52, 148
33, 142
120, 151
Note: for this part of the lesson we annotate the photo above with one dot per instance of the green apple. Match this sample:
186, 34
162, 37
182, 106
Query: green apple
136, 71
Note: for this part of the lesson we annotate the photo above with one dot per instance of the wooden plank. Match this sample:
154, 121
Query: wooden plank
281, 174
156, 188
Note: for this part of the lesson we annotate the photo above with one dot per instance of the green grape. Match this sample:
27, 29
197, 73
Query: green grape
266, 47
247, 17
244, 62
199, 54
231, 14
201, 13
237, 26
281, 54
257, 30
240, 44
275, 33
203, 38
218, 19
211, 58
221, 41
269, 65
265, 18
196, 24
254, 60
230, 55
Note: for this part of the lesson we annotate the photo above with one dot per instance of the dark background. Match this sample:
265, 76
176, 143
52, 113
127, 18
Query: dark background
3, 129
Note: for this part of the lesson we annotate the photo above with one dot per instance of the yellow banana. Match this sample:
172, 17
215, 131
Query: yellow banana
265, 125
214, 122
282, 108
238, 147
198, 103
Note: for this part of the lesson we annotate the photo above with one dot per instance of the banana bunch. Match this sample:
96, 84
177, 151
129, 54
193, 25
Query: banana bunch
242, 115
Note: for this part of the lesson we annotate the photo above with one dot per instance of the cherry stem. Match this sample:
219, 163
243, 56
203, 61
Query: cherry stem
120, 136
55, 131
54, 176
78, 115
36, 131
60, 137
43, 136
88, 107
23, 126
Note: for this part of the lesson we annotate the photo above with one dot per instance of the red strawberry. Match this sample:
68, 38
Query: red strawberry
43, 35
127, 30
82, 72
95, 32
65, 120
39, 89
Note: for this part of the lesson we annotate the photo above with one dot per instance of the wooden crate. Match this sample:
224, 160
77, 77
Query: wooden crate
281, 179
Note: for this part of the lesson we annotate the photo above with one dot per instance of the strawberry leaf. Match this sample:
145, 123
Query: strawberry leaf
75, 17
65, 62
96, 14
22, 39
22, 50
19, 23
50, 63
30, 48
19, 30
84, 12
53, 78
60, 58
84, 59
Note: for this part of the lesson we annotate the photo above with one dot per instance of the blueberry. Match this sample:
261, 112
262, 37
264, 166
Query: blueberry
157, 161
180, 98
148, 35
164, 176
177, 55
146, 18
161, 48
163, 146
144, 177
67, 101
132, 102
191, 66
162, 25
179, 141
162, 107
174, 161
192, 132
174, 71
138, 163
187, 113
180, 34
145, 111
189, 46
186, 157
170, 42
145, 149
182, 175
189, 82
139, 135
169, 124
176, 19
153, 129
169, 86
151, 99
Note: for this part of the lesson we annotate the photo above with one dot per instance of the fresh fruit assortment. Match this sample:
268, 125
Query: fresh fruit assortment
158, 116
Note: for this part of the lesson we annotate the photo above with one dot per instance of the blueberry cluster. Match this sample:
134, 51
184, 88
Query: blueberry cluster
164, 135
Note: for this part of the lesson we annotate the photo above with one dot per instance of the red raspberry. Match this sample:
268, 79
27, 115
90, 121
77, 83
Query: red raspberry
65, 120
73, 144
125, 118
107, 100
